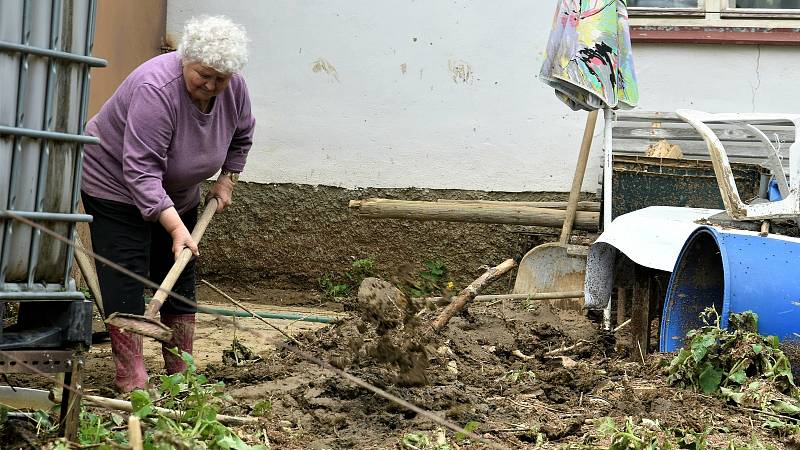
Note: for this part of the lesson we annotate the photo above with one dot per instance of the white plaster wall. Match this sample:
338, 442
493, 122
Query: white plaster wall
393, 116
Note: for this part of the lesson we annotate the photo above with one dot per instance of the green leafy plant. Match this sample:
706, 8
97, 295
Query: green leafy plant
648, 434
334, 287
429, 280
198, 401
731, 358
468, 428
739, 365
520, 374
360, 269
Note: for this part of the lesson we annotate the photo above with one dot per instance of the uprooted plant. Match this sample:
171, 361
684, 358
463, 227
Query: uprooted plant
649, 434
198, 402
739, 365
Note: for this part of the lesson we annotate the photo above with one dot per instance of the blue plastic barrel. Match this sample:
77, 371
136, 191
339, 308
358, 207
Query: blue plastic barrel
735, 271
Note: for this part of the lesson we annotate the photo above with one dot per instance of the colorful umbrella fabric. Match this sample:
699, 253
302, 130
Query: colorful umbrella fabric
589, 61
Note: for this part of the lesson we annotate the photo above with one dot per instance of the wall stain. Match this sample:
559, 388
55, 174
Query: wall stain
461, 71
323, 65
403, 68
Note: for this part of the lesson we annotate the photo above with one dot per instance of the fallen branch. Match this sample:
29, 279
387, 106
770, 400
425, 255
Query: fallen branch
566, 349
122, 405
521, 355
470, 292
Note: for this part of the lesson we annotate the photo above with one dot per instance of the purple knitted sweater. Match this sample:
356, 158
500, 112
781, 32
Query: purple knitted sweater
156, 147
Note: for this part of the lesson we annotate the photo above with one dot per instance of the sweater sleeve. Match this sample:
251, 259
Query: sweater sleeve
148, 133
243, 136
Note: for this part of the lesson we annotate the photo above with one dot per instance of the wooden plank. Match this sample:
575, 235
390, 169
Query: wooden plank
640, 313
726, 134
622, 300
641, 116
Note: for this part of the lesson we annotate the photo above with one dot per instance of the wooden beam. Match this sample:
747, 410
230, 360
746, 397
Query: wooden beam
582, 206
474, 213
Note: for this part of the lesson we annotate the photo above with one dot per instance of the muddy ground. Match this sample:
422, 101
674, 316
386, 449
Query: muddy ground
497, 364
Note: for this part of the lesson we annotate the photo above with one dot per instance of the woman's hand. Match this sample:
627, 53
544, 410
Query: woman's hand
181, 238
222, 190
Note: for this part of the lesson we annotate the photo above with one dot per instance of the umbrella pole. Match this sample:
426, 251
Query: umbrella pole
608, 169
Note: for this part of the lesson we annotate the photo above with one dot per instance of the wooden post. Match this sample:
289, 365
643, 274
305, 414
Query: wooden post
71, 405
640, 314
622, 299
135, 433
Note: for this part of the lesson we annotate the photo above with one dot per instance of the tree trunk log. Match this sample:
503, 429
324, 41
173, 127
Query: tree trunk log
472, 212
582, 206
470, 292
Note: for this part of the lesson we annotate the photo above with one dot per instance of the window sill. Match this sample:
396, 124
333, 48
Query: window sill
714, 35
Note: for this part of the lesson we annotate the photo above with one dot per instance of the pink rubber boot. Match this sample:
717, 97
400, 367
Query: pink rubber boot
182, 326
126, 349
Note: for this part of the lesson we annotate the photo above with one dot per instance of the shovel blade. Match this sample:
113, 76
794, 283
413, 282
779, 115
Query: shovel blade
145, 326
552, 268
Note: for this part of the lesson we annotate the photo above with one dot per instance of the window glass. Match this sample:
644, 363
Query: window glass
765, 4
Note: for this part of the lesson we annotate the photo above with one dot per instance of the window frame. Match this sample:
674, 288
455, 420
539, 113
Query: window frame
715, 13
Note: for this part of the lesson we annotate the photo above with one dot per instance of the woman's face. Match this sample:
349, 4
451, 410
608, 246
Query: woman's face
203, 82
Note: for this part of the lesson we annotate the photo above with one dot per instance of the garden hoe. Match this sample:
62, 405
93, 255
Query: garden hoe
147, 324
559, 267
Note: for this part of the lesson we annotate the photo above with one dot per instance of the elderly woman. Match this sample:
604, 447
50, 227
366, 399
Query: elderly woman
175, 121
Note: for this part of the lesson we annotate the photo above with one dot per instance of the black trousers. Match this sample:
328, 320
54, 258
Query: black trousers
120, 234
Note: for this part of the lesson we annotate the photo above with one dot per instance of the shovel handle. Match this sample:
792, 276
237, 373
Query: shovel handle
182, 260
577, 180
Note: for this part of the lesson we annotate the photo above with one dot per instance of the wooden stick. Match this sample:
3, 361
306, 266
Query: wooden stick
536, 296
122, 405
255, 316
89, 275
577, 180
135, 433
470, 292
474, 213
582, 206
621, 326
566, 349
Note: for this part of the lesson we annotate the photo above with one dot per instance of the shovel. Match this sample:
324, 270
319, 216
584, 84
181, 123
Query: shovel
147, 324
560, 267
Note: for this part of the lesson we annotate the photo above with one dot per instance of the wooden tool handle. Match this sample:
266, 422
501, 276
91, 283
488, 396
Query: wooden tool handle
183, 259
577, 180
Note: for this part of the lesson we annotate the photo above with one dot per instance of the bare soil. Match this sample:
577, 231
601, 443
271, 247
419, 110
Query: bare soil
490, 365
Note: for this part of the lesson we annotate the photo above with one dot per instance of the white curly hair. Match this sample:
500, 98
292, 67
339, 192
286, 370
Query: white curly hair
214, 41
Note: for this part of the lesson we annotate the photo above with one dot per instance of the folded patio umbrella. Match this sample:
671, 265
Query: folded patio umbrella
589, 60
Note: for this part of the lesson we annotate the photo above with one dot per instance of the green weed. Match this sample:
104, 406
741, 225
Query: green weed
739, 365
651, 435
429, 280
520, 374
197, 401
439, 441
334, 287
